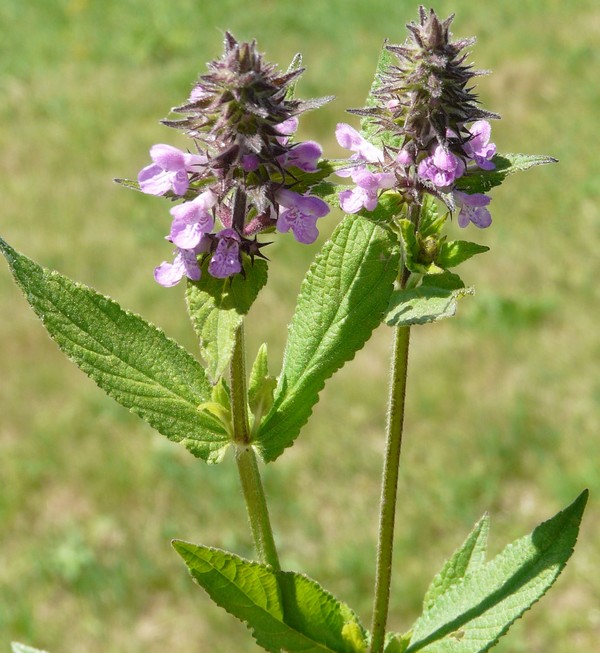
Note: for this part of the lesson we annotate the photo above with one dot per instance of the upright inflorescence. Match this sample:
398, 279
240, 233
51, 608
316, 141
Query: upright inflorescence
434, 129
243, 169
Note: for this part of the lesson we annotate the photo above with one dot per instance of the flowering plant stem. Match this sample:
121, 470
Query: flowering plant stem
252, 487
395, 423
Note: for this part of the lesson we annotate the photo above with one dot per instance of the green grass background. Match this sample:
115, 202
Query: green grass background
503, 400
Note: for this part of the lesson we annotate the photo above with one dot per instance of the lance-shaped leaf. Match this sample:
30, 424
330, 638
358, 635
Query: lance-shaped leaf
284, 610
472, 615
481, 181
454, 252
341, 301
130, 359
469, 557
435, 299
217, 308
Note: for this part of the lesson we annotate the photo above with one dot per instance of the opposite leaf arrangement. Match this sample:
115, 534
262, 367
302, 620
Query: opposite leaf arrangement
423, 152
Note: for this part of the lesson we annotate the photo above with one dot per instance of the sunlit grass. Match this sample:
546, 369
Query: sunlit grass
503, 400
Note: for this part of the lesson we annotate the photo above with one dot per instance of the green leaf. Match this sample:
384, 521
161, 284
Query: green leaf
444, 279
217, 308
21, 648
129, 183
368, 125
261, 385
390, 205
481, 181
342, 300
433, 300
130, 359
469, 557
295, 64
454, 252
472, 615
284, 610
396, 643
431, 222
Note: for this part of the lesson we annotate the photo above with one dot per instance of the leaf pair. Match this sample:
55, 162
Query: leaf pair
342, 300
469, 605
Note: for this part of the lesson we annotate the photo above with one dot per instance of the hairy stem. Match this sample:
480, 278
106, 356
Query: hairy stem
383, 575
252, 487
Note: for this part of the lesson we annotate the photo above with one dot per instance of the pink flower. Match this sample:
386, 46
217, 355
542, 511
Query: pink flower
287, 127
191, 220
300, 214
185, 264
349, 138
441, 168
169, 170
304, 156
473, 209
478, 147
366, 192
226, 260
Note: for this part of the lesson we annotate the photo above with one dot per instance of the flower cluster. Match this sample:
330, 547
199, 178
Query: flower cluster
244, 168
435, 130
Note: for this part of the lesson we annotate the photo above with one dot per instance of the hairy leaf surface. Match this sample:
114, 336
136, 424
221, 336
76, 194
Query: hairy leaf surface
472, 615
481, 181
342, 300
284, 610
131, 360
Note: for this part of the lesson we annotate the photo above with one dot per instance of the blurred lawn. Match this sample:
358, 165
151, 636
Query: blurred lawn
503, 401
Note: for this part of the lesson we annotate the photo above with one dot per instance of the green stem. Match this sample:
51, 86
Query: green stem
252, 487
389, 488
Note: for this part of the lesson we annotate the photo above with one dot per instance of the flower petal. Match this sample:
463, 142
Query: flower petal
168, 157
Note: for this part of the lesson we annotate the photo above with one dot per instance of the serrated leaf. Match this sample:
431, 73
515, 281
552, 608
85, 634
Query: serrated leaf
21, 648
435, 299
130, 359
284, 610
469, 557
481, 181
217, 308
454, 252
471, 616
342, 300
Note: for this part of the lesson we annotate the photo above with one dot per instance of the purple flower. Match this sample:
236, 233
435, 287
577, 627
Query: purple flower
300, 214
478, 147
367, 186
441, 168
191, 220
250, 162
304, 156
404, 158
169, 170
185, 264
226, 259
287, 127
349, 138
473, 209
